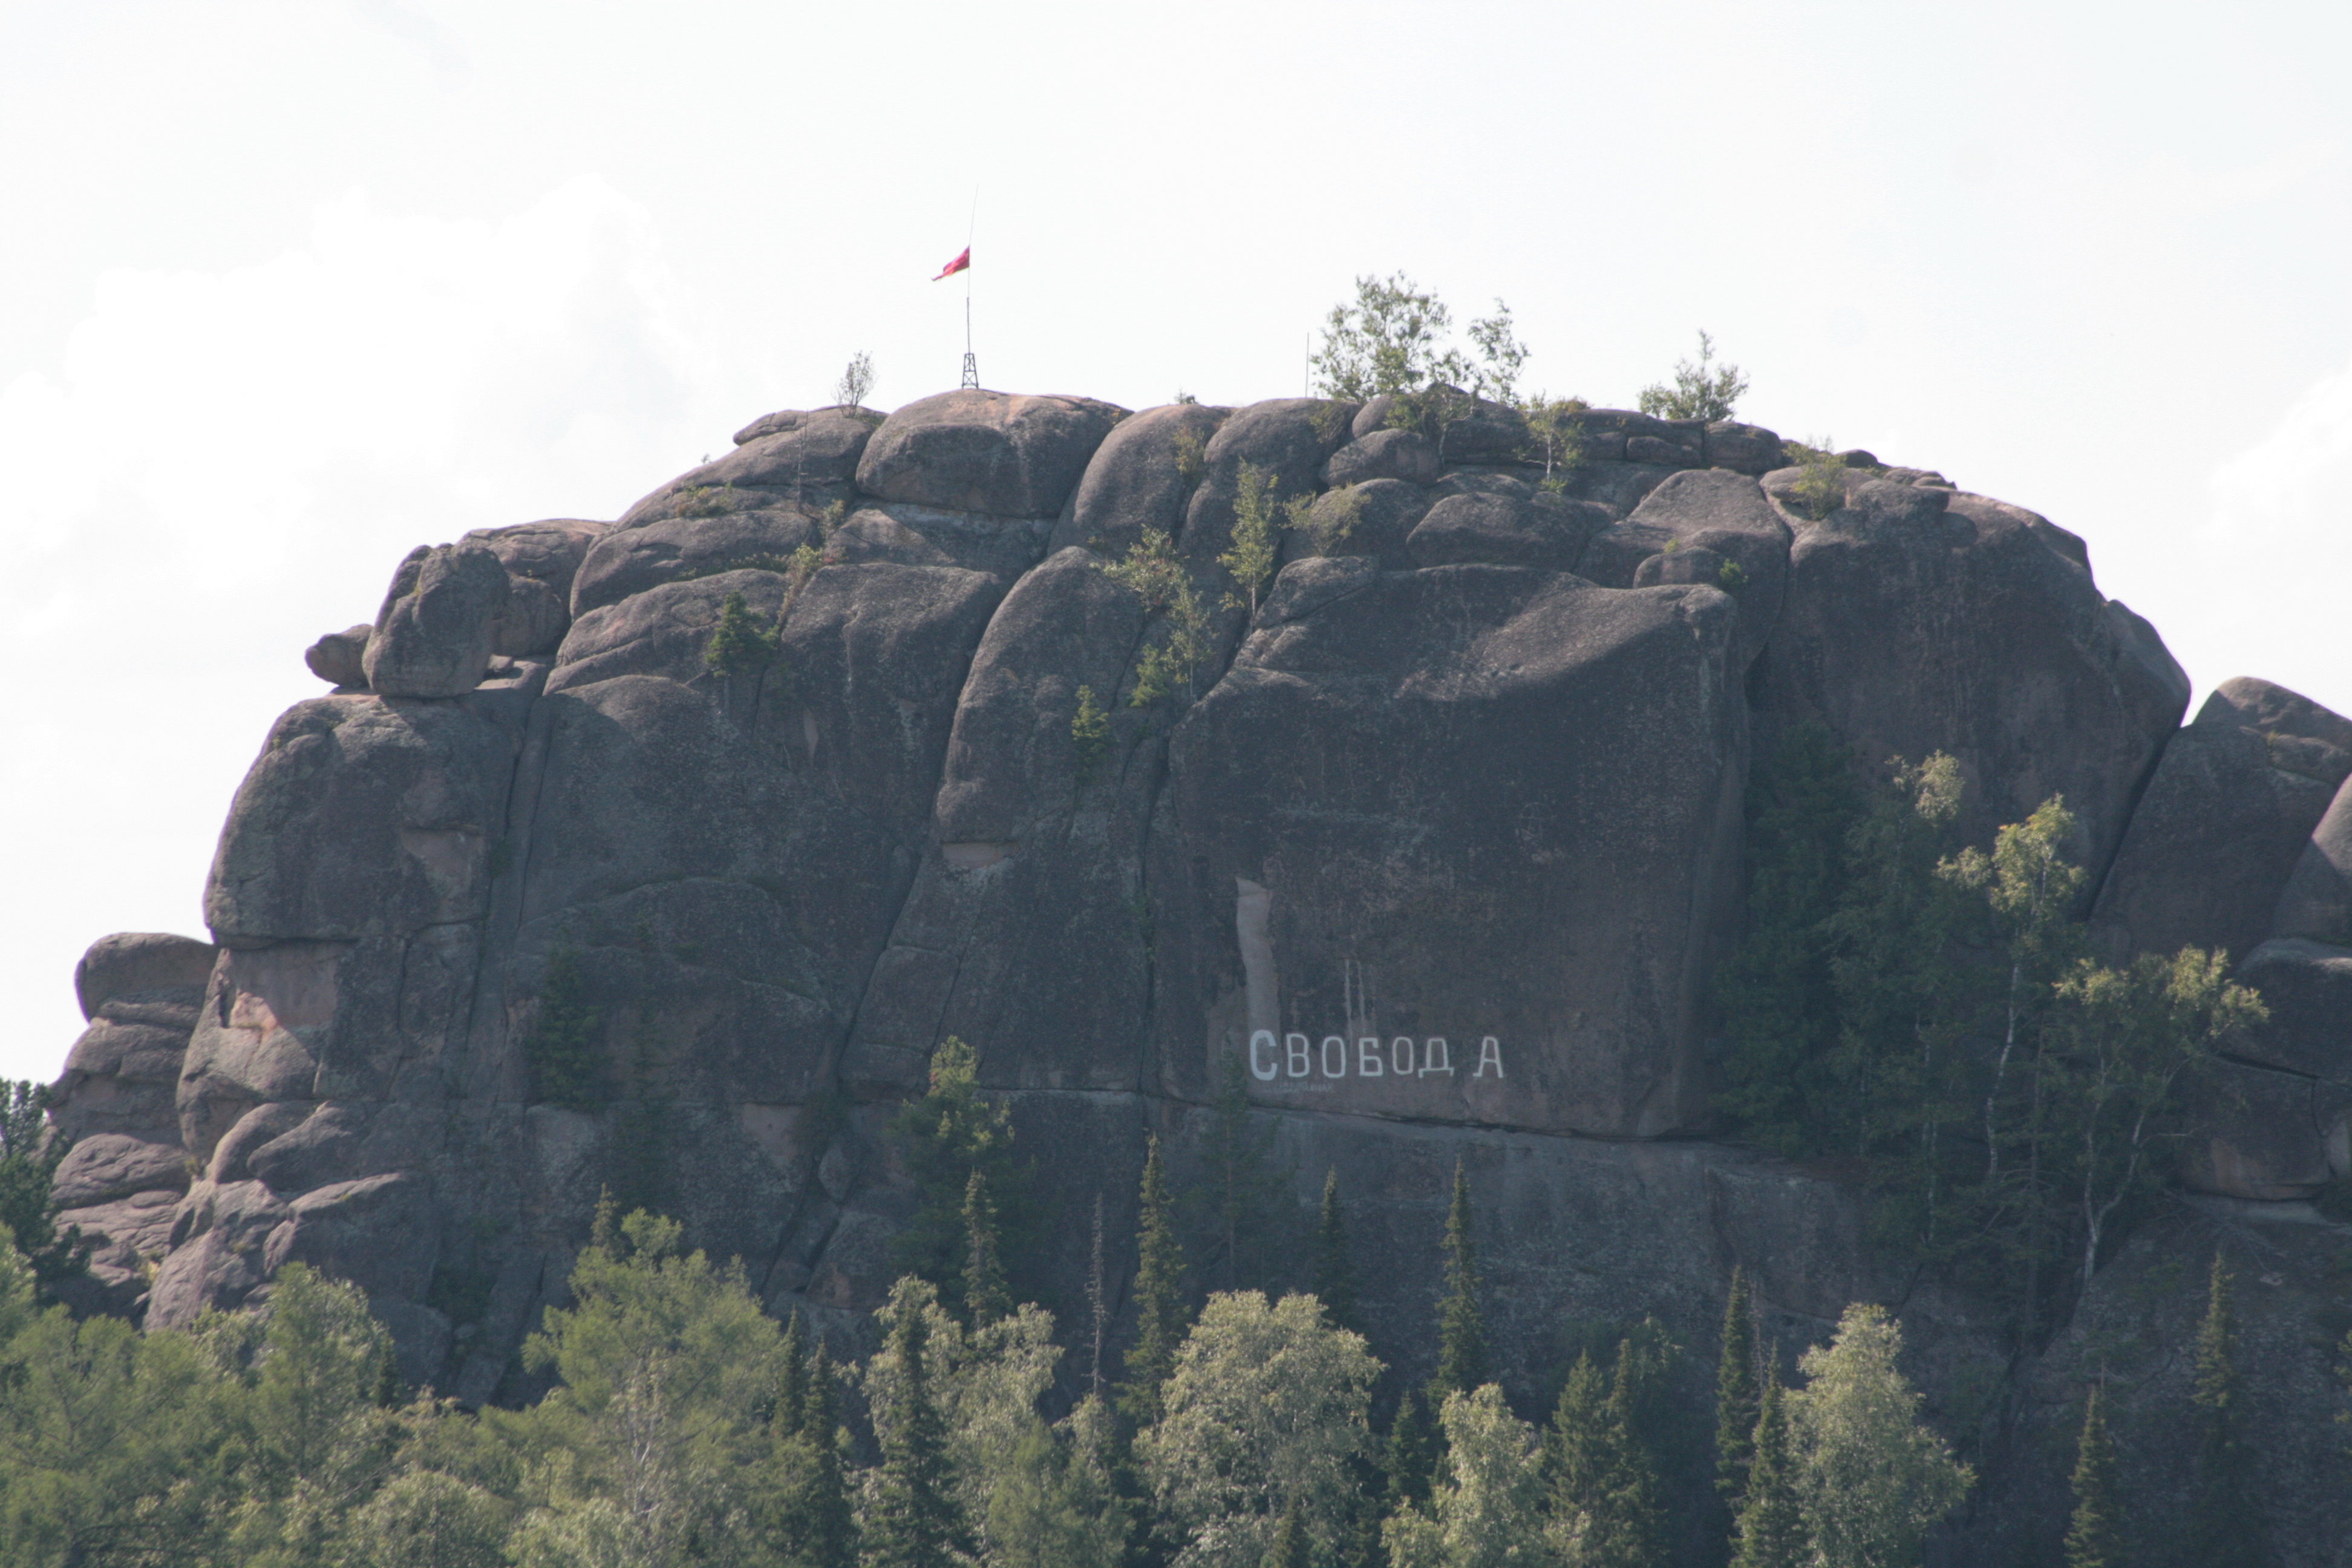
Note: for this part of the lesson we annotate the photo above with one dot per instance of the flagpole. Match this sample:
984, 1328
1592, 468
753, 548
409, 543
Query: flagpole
970, 364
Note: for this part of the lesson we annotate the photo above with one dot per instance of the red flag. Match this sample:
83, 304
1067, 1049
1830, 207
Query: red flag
962, 261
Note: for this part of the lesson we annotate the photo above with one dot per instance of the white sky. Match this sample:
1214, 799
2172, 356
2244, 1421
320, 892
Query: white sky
291, 288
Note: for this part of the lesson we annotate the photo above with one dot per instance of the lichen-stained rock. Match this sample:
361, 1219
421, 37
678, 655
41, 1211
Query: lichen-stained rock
986, 451
1378, 517
1742, 449
1449, 845
1505, 530
664, 631
2317, 903
1021, 934
1140, 476
2219, 828
1711, 509
1917, 620
1285, 438
363, 816
438, 627
637, 556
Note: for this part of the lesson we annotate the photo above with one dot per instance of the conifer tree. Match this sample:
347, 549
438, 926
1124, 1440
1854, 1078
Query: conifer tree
1411, 1461
1603, 1486
986, 1298
1160, 1317
2091, 1540
1240, 1186
1335, 1273
1290, 1549
2224, 1524
1461, 1325
792, 1381
1737, 1402
914, 1521
1771, 1532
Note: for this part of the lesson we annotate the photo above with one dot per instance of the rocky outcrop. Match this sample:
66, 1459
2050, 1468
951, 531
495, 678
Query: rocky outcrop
1435, 844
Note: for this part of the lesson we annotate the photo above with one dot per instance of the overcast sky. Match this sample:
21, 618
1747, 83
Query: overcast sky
291, 288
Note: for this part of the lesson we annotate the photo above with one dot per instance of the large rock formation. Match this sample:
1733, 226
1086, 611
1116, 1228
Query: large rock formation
1439, 841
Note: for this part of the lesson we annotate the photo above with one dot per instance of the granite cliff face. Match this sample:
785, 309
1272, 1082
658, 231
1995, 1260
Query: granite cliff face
1443, 840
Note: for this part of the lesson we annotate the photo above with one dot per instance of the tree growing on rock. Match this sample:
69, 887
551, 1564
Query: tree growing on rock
1701, 388
1159, 1315
2091, 1540
1334, 1277
946, 1137
1393, 338
2225, 1520
1461, 1319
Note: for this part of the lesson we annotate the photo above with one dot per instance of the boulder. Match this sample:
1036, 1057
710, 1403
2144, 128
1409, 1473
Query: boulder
1378, 517
1742, 449
1504, 530
2265, 1136
2231, 809
541, 559
216, 1241
363, 816
1141, 477
636, 557
1918, 621
1470, 824
2317, 903
986, 451
1287, 439
1406, 455
104, 1166
1711, 509
797, 458
664, 631
1373, 416
144, 968
339, 658
1489, 432
2308, 986
439, 626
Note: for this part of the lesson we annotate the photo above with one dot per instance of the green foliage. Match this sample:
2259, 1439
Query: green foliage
1326, 520
1256, 542
1289, 1548
1874, 1479
1603, 1482
738, 643
1701, 390
828, 522
1820, 486
1392, 339
986, 1299
2092, 1538
1413, 1453
1771, 1530
2225, 1522
1334, 1276
1552, 424
563, 1049
1192, 450
946, 1138
1731, 576
913, 1520
1265, 1413
1153, 574
1089, 733
1159, 1315
29, 1156
706, 500
1737, 1396
1461, 1319
1489, 1512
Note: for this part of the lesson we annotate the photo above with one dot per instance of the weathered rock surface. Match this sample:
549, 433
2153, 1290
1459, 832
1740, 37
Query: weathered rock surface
439, 624
2227, 815
985, 451
1917, 620
1439, 843
339, 658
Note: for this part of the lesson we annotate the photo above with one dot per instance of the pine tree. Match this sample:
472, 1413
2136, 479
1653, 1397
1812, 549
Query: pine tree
1736, 1398
2091, 1540
1290, 1549
791, 1419
1160, 1316
831, 1541
2224, 1524
1335, 1273
986, 1298
1771, 1532
1603, 1485
1412, 1463
1461, 1325
914, 1523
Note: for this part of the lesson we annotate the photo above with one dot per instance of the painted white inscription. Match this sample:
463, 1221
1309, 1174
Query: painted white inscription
1273, 1056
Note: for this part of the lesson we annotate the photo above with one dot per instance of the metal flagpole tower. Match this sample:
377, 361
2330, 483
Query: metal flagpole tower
971, 365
